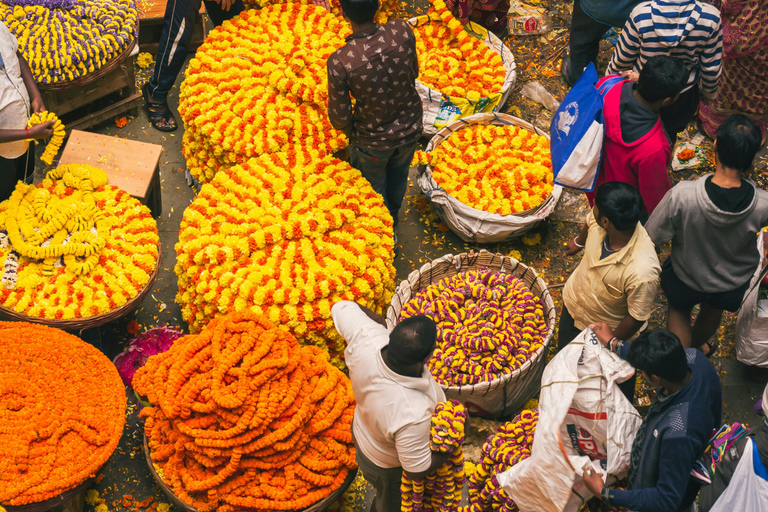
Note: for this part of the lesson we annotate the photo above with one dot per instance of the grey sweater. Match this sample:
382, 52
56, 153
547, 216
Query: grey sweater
712, 250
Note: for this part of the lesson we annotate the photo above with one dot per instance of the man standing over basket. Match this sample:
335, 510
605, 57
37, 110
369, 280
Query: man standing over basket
396, 396
378, 66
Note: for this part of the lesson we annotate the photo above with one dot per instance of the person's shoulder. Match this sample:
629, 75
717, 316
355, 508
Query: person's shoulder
641, 11
709, 13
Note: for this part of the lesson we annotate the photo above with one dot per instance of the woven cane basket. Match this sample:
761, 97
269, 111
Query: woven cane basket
66, 501
501, 397
320, 506
440, 109
472, 224
78, 324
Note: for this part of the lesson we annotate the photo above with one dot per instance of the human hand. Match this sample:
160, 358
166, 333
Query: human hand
632, 75
602, 332
37, 105
42, 130
593, 481
572, 247
325, 4
226, 4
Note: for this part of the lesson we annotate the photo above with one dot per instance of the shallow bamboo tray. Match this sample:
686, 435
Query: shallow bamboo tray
320, 506
77, 324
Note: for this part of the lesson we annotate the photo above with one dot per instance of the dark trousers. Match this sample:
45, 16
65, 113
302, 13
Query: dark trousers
677, 116
584, 41
567, 331
178, 26
13, 170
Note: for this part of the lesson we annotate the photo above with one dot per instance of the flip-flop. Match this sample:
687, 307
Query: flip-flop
158, 111
713, 348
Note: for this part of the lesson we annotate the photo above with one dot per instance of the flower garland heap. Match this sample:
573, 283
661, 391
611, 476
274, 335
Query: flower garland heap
488, 325
441, 490
286, 236
58, 134
497, 169
258, 85
74, 246
387, 8
243, 418
454, 62
62, 412
67, 39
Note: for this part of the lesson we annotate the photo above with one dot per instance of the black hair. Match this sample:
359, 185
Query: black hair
360, 11
662, 77
738, 141
621, 203
659, 352
412, 340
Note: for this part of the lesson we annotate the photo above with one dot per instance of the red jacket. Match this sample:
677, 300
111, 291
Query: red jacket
643, 163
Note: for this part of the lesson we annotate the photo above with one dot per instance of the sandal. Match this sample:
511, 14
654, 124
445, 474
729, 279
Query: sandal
160, 116
565, 70
713, 348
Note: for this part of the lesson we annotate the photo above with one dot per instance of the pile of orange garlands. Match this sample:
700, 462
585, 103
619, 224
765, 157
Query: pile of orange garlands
62, 412
244, 418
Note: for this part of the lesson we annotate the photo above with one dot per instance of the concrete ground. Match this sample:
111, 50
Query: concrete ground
421, 240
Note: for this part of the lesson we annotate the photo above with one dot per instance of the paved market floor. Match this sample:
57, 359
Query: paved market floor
422, 238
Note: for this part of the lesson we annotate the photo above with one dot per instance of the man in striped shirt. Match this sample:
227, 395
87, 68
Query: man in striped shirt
685, 29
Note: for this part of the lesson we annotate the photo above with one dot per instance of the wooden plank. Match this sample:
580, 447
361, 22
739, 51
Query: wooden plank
63, 101
130, 164
129, 105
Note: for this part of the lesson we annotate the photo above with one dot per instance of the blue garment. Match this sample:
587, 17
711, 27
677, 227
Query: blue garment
672, 437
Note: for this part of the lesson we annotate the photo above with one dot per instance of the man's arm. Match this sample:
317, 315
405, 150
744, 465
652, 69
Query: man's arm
711, 63
640, 297
373, 316
627, 327
627, 49
412, 442
660, 226
29, 83
339, 103
39, 131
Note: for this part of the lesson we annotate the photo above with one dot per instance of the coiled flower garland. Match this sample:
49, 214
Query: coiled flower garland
440, 491
498, 169
286, 236
62, 412
66, 39
82, 247
242, 417
56, 139
488, 324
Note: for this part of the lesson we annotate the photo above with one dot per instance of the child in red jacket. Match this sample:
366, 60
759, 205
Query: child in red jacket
636, 149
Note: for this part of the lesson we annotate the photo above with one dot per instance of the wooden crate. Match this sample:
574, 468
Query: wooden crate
151, 27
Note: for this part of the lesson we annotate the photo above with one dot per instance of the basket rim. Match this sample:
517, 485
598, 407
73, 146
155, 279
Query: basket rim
86, 79
50, 503
89, 321
462, 262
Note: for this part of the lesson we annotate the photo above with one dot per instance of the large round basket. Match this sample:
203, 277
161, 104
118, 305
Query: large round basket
75, 497
77, 324
91, 77
320, 506
503, 396
440, 109
471, 224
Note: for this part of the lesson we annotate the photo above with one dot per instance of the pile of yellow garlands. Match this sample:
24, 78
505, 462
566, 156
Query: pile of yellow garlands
287, 237
244, 418
62, 412
74, 246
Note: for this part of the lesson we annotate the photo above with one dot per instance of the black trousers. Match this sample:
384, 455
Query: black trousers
13, 170
567, 331
677, 116
584, 41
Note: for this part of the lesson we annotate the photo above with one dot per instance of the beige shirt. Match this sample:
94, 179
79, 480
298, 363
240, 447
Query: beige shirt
623, 283
393, 412
14, 98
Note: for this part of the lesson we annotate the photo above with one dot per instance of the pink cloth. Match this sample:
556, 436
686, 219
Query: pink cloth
642, 164
491, 14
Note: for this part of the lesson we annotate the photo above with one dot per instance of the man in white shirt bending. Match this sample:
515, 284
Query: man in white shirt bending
395, 394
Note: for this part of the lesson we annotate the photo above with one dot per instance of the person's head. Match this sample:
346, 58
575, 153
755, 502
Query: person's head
661, 80
620, 204
359, 11
737, 143
412, 341
660, 356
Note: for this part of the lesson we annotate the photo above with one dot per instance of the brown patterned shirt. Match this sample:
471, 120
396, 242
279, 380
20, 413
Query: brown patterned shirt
379, 68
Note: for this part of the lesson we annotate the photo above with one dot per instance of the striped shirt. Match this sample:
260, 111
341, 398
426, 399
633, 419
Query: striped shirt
685, 29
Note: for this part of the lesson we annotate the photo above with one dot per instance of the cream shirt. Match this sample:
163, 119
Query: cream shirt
393, 412
14, 98
623, 283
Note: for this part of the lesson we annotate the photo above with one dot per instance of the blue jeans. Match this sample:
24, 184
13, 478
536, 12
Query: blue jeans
178, 26
387, 171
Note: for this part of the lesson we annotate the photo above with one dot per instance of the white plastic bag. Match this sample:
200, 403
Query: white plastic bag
584, 420
747, 491
751, 329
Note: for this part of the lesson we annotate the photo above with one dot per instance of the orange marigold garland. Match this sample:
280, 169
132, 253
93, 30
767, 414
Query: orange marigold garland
62, 412
244, 418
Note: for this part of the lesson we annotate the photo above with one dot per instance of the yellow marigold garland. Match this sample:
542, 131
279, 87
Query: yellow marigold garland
242, 418
56, 139
62, 412
259, 85
74, 246
66, 39
286, 235
387, 8
498, 169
